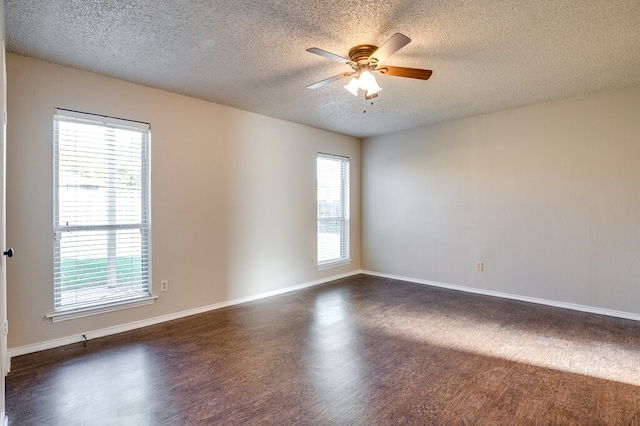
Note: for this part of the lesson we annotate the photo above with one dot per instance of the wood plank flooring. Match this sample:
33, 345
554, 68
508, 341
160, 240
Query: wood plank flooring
358, 351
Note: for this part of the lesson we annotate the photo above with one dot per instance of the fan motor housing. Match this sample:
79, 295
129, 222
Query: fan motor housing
361, 52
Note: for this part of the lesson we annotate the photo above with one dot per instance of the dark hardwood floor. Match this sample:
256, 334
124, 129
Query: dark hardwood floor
357, 351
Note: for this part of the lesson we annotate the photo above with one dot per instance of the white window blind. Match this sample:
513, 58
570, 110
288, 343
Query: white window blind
333, 209
102, 223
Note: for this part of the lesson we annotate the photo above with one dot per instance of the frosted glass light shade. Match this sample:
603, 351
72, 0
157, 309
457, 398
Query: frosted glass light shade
353, 86
368, 83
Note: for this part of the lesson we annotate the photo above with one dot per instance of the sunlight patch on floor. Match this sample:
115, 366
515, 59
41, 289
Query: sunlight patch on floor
615, 361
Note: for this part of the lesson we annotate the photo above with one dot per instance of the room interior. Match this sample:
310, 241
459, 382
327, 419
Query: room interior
519, 152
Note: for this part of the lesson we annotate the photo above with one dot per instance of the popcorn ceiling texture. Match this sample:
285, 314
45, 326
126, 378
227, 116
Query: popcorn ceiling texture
486, 56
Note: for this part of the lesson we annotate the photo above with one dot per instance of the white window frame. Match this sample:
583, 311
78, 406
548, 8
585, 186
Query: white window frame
341, 217
115, 297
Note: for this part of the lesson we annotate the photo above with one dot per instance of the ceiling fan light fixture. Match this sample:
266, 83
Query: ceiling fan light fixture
353, 86
368, 96
368, 83
365, 58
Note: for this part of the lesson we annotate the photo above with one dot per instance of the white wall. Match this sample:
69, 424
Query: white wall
233, 197
547, 196
2, 27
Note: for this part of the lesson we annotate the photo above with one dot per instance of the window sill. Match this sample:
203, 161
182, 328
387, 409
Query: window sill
95, 310
333, 264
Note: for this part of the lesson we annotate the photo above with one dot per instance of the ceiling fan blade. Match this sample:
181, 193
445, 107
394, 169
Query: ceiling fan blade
391, 46
406, 72
328, 55
329, 80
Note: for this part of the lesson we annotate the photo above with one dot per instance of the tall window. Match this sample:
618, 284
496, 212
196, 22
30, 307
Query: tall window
333, 210
102, 221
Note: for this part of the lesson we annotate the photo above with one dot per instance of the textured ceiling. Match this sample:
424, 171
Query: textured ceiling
485, 55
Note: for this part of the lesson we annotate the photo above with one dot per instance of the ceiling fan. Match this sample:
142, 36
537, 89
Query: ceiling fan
366, 58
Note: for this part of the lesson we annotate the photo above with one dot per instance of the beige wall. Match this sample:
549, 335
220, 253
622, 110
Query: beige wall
547, 196
233, 197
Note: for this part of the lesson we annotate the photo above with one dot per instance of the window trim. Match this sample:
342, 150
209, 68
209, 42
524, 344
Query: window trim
145, 226
333, 264
101, 309
346, 218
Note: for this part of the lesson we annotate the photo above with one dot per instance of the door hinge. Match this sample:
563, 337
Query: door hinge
6, 327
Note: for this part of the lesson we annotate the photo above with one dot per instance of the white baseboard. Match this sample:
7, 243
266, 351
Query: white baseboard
3, 419
50, 344
564, 305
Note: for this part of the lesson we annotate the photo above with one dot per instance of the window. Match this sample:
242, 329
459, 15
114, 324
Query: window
333, 210
102, 220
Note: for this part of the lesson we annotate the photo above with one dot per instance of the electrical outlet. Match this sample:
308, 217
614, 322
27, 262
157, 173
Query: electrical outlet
479, 266
164, 285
